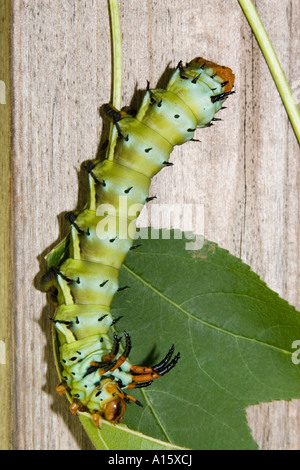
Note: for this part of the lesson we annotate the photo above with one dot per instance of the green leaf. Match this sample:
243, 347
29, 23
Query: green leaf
119, 437
234, 334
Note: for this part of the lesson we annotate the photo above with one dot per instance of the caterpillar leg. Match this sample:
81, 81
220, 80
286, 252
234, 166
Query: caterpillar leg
96, 419
76, 406
61, 388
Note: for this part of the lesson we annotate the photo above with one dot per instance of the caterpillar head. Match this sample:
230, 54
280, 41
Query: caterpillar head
114, 406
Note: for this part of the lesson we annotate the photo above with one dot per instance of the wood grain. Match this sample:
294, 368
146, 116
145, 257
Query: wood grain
5, 115
245, 171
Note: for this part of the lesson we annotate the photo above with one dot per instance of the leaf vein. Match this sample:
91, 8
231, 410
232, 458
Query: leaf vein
203, 322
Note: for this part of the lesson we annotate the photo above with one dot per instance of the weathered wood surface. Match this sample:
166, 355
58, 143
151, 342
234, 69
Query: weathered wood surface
5, 222
245, 171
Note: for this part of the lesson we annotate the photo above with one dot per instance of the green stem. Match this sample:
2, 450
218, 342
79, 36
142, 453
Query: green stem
116, 99
273, 63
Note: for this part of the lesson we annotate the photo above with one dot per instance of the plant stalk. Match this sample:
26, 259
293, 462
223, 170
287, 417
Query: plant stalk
273, 63
116, 98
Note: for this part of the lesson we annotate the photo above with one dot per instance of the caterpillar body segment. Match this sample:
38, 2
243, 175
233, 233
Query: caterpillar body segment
86, 277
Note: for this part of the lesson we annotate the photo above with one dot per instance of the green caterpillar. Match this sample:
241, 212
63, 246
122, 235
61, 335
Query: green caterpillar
85, 279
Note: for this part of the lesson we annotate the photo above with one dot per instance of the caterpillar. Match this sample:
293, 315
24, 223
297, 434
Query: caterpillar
84, 280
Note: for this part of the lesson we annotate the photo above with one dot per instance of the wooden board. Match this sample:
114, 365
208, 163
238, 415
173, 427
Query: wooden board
245, 171
5, 254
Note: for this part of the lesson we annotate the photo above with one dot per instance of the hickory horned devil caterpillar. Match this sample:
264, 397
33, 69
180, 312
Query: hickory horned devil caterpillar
85, 278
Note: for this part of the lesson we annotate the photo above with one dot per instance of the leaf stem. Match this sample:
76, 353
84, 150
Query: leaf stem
273, 63
116, 98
